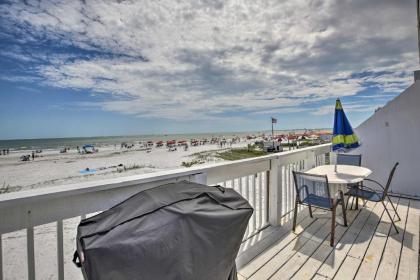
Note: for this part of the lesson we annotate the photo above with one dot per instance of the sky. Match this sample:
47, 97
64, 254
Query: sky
90, 68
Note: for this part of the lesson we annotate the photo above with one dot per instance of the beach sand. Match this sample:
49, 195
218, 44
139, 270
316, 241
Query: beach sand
53, 168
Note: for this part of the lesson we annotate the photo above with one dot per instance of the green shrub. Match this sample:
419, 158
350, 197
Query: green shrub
192, 162
241, 153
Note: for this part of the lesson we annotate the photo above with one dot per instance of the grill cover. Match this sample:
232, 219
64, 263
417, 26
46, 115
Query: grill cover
179, 231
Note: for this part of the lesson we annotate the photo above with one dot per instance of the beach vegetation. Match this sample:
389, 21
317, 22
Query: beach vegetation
133, 167
6, 188
302, 144
227, 154
205, 155
192, 162
241, 153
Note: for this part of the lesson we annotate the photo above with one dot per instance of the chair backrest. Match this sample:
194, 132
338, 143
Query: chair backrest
388, 183
349, 159
311, 185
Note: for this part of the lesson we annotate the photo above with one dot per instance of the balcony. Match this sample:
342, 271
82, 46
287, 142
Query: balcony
37, 227
367, 249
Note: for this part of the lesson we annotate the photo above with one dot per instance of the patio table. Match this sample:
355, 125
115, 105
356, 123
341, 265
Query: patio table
341, 177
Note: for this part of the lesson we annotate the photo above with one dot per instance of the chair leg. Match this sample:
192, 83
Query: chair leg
364, 203
333, 225
393, 207
310, 211
347, 203
344, 208
390, 217
295, 214
359, 186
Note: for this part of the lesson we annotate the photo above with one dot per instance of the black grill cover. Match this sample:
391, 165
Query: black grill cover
175, 231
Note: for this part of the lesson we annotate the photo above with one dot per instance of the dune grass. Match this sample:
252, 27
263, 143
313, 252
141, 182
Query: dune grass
241, 153
225, 154
192, 162
6, 188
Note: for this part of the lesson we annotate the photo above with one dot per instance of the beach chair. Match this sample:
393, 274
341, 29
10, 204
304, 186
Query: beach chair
25, 158
314, 191
370, 194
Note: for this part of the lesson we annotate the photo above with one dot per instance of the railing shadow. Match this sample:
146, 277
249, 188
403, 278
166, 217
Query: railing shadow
269, 237
313, 234
355, 233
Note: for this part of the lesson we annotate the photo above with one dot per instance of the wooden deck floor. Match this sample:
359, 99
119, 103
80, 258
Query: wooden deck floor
369, 248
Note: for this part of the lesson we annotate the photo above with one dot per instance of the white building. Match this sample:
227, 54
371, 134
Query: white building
392, 134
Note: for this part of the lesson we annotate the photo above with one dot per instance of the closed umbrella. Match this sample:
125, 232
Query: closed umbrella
344, 138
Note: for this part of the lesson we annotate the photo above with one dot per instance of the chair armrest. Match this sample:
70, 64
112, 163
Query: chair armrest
304, 187
372, 190
338, 195
334, 202
374, 181
299, 189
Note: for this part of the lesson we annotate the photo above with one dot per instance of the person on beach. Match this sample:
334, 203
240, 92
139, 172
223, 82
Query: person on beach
33, 155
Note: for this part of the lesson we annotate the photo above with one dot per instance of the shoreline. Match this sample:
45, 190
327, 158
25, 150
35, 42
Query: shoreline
53, 168
31, 169
16, 145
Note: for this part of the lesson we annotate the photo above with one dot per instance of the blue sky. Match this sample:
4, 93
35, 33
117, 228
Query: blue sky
69, 68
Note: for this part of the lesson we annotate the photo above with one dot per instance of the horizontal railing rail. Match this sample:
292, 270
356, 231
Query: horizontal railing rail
266, 182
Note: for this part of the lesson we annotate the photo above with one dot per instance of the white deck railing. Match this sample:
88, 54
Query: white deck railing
266, 182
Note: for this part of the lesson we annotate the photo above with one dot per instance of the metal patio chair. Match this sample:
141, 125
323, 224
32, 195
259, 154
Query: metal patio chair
373, 195
313, 190
348, 159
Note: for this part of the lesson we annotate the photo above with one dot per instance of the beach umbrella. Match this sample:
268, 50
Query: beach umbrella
344, 138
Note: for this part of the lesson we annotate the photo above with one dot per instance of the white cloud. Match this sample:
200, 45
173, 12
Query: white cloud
348, 108
184, 59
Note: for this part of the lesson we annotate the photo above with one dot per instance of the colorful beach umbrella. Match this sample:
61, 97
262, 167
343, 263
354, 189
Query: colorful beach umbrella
344, 138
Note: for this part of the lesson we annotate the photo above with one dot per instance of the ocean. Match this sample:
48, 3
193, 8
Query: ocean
101, 141
57, 143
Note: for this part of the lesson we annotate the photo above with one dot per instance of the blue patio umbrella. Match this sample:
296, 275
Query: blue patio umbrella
344, 139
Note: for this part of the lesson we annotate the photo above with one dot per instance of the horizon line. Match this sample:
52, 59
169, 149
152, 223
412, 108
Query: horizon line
163, 134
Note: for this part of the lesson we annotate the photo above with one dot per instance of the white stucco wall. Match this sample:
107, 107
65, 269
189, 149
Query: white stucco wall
393, 134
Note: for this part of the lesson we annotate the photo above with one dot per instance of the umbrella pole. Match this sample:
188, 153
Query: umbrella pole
335, 166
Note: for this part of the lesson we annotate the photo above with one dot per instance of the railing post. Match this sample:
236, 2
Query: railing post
60, 249
30, 247
1, 259
333, 158
310, 161
274, 193
199, 178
